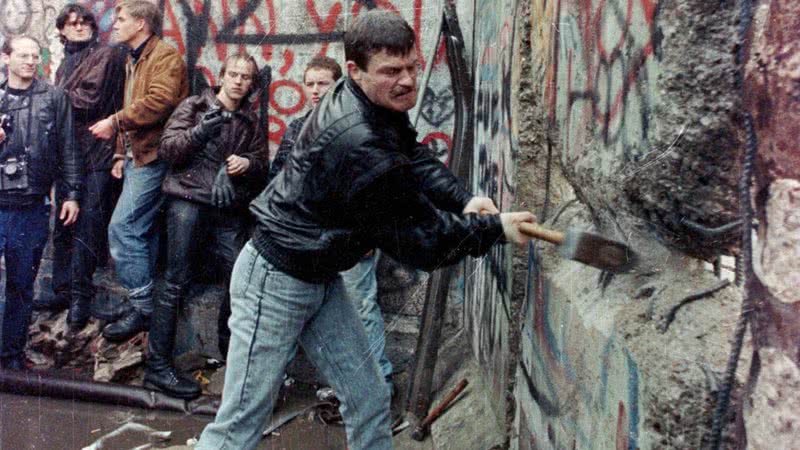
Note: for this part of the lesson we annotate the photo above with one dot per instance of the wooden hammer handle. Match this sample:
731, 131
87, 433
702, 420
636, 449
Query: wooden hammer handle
539, 232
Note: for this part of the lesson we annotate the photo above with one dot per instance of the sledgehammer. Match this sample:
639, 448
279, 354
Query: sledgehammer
586, 248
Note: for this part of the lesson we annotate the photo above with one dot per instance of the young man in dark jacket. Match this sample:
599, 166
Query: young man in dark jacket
356, 179
92, 74
219, 161
155, 82
37, 150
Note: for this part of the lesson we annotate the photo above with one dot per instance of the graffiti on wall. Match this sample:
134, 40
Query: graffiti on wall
489, 278
554, 402
282, 35
602, 57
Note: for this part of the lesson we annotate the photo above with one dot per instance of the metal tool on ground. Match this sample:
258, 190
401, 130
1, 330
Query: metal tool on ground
587, 248
421, 430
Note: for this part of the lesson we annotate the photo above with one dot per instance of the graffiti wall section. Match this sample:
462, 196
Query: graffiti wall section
640, 104
577, 384
488, 279
640, 98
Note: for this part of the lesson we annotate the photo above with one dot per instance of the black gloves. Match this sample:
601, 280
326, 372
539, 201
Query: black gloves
208, 127
223, 193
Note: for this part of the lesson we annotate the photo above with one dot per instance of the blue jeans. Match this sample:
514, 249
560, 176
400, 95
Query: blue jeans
362, 287
23, 235
132, 234
271, 312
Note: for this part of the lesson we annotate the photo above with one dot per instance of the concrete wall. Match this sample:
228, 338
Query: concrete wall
638, 104
773, 97
489, 311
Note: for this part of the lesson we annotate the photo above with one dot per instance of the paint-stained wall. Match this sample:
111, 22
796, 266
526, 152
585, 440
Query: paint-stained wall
488, 288
640, 103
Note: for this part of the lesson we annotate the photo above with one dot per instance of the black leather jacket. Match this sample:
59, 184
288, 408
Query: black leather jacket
355, 180
52, 155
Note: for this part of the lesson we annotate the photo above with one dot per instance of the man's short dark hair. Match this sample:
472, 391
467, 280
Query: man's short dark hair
324, 63
8, 43
80, 11
374, 31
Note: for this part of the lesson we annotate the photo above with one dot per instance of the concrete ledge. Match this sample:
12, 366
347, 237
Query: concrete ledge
600, 369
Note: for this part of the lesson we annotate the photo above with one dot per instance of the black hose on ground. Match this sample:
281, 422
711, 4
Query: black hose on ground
57, 386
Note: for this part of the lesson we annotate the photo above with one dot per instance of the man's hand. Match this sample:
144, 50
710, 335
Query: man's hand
2, 135
511, 222
480, 205
103, 129
208, 127
223, 193
69, 212
116, 169
237, 165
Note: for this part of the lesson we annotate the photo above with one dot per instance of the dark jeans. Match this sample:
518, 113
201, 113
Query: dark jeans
220, 234
78, 248
23, 234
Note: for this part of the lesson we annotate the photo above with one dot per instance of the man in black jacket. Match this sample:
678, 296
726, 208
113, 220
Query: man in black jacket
92, 75
218, 162
356, 179
37, 150
360, 282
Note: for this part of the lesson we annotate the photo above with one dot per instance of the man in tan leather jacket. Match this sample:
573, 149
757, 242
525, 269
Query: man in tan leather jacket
155, 83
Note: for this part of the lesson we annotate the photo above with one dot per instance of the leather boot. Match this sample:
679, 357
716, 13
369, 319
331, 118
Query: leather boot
159, 372
79, 312
132, 323
168, 381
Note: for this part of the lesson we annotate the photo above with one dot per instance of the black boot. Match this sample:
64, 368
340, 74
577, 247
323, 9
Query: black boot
159, 373
169, 382
79, 312
132, 323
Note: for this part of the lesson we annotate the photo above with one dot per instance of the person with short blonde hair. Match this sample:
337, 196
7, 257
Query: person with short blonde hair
219, 159
155, 82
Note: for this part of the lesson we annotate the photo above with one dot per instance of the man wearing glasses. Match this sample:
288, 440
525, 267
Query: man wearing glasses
37, 150
93, 76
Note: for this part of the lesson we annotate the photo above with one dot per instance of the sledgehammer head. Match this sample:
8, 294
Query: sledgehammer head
597, 251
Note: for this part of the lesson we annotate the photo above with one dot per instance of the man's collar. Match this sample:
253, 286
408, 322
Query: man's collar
76, 46
137, 52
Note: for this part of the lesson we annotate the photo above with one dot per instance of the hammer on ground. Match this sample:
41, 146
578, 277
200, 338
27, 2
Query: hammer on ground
587, 248
422, 429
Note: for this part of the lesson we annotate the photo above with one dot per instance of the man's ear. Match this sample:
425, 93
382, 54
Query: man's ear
5, 58
141, 25
353, 71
